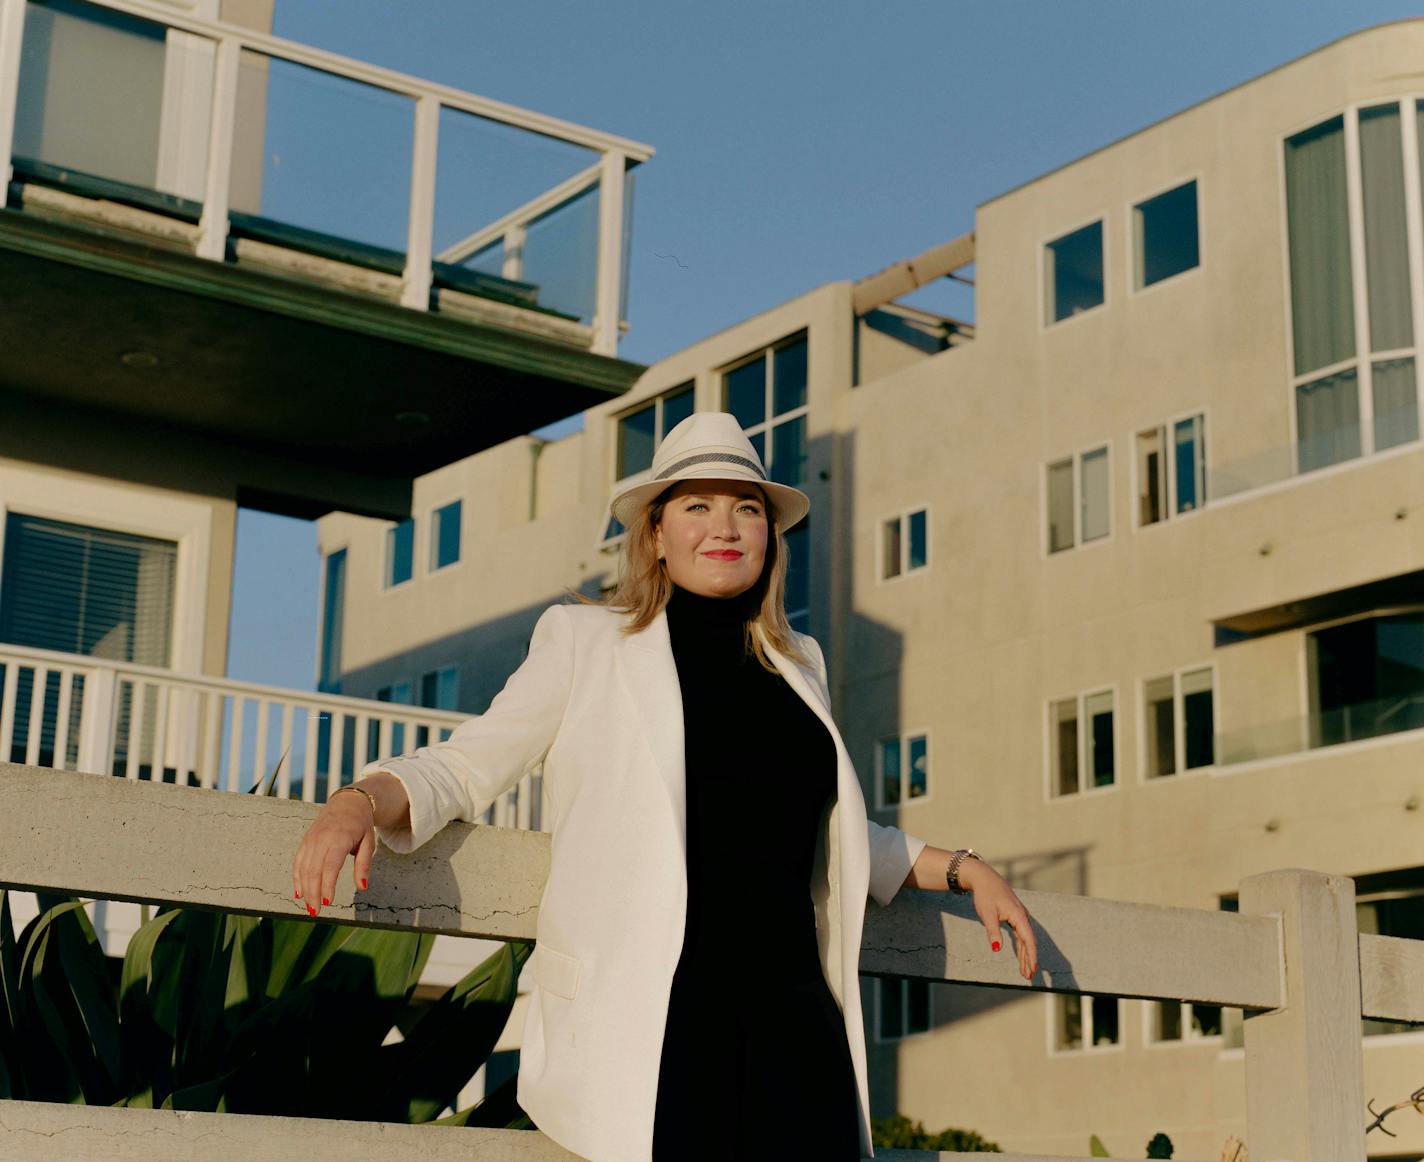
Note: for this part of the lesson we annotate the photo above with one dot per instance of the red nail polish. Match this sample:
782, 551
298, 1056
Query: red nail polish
363, 885
311, 910
996, 946
296, 895
324, 900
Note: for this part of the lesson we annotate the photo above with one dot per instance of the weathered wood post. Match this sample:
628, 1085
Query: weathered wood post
1304, 1061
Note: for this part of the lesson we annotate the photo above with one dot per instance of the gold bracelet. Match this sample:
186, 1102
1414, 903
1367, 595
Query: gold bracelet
370, 798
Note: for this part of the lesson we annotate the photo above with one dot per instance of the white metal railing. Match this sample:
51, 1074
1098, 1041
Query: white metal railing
78, 713
227, 43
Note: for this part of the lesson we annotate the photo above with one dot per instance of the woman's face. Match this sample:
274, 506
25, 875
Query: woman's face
713, 536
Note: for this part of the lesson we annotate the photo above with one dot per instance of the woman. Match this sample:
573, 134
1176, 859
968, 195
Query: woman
698, 940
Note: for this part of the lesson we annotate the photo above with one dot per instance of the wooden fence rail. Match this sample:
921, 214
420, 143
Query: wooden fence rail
1292, 957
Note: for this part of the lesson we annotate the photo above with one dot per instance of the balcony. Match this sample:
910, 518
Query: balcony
225, 235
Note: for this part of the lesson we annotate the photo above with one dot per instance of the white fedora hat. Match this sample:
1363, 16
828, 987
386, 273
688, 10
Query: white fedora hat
707, 446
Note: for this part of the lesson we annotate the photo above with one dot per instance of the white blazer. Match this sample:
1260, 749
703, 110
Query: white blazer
602, 711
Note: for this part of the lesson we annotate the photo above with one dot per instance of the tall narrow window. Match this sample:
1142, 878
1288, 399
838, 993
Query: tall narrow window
768, 394
638, 434
1063, 744
1151, 478
1102, 763
1198, 719
890, 778
400, 553
445, 535
1164, 232
1356, 372
1161, 732
1060, 506
1189, 454
1094, 493
1073, 273
333, 611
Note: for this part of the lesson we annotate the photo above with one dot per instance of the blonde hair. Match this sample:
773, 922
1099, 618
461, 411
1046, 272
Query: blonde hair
644, 587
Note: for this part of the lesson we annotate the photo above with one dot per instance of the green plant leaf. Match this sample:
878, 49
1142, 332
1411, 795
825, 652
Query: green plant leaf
452, 1037
1096, 1149
11, 1083
499, 1110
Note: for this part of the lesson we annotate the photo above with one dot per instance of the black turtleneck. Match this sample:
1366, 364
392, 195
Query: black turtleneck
761, 766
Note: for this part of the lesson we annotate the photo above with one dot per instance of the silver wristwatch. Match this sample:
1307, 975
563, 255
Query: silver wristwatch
951, 873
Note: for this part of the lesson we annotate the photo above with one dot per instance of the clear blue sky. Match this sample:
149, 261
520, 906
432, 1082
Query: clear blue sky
797, 143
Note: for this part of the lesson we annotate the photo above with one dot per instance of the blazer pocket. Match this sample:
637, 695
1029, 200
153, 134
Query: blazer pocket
556, 971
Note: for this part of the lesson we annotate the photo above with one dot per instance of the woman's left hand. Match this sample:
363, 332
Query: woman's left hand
996, 903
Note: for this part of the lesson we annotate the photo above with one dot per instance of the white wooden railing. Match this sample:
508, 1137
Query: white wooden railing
227, 42
1292, 957
73, 712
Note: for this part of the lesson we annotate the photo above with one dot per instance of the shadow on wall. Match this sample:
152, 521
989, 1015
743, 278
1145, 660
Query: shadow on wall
867, 664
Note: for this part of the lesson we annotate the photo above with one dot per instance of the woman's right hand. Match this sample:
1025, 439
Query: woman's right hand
346, 826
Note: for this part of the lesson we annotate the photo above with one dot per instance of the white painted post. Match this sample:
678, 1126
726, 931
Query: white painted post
96, 721
12, 35
610, 253
514, 239
1304, 1061
415, 284
213, 225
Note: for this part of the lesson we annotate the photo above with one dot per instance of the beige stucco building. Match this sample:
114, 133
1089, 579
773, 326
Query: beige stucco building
1122, 583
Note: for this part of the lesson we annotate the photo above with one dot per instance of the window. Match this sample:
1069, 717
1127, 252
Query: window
1078, 499
903, 772
1173, 1021
767, 393
333, 609
400, 553
1178, 722
440, 689
1354, 353
1073, 273
1175, 483
638, 435
1085, 1022
904, 545
1080, 760
1390, 904
1366, 677
399, 692
1164, 236
641, 431
91, 591
445, 535
902, 1007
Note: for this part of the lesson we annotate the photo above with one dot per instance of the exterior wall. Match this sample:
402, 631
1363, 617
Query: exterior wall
973, 649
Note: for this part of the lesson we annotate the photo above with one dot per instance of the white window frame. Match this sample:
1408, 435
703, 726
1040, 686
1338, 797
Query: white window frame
903, 983
1082, 696
167, 515
766, 429
387, 543
1087, 1046
432, 539
1044, 322
1166, 429
878, 765
903, 516
1188, 1037
1129, 236
1179, 724
1045, 549
657, 400
1362, 362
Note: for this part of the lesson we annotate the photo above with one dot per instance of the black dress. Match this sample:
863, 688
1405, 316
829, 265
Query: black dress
755, 1062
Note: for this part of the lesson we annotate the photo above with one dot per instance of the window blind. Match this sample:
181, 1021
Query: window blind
87, 591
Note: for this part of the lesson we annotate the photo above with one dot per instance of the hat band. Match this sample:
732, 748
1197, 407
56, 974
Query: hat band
708, 457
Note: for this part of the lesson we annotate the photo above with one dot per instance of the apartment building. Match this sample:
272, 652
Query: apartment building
1121, 583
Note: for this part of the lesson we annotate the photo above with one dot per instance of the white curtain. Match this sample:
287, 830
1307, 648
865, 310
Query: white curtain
1386, 247
1328, 420
1322, 303
1396, 403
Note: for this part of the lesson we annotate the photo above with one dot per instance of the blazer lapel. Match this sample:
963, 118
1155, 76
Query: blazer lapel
651, 674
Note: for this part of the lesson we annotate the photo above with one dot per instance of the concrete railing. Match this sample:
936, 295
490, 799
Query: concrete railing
1292, 958
80, 713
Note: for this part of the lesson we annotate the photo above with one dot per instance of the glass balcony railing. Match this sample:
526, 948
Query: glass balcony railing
264, 145
1350, 723
1345, 442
